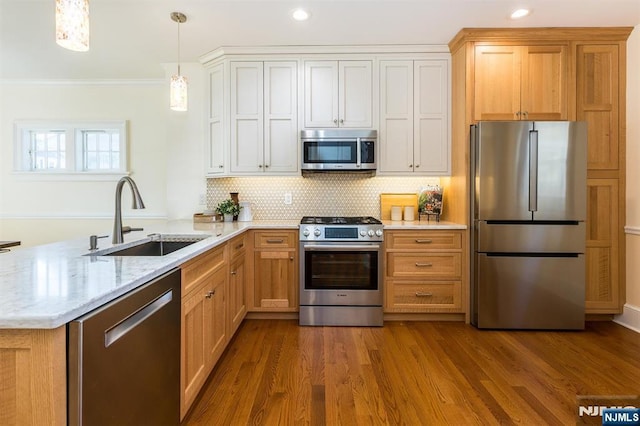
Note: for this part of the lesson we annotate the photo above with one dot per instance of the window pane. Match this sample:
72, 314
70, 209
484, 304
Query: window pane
104, 144
47, 149
105, 160
115, 160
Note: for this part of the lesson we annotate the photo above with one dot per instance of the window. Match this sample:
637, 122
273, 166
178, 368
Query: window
81, 148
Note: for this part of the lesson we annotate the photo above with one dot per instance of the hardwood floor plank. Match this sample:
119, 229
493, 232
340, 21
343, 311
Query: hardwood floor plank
410, 373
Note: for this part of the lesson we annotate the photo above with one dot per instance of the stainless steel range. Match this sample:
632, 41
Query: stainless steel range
341, 271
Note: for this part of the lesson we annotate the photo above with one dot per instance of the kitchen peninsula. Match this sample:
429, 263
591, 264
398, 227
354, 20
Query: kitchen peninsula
47, 286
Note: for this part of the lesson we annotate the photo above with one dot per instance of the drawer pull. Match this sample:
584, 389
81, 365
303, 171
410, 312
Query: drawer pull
280, 241
239, 246
424, 265
209, 294
423, 294
419, 241
233, 272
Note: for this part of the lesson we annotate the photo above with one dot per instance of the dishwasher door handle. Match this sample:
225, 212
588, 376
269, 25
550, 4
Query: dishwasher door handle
132, 321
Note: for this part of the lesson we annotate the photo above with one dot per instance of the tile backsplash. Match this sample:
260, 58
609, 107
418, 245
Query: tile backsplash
332, 194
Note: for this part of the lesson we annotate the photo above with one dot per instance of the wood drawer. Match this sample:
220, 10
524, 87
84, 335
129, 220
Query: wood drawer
237, 246
410, 296
415, 265
195, 270
424, 240
275, 239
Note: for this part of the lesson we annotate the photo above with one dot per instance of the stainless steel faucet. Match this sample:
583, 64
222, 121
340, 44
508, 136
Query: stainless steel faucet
118, 229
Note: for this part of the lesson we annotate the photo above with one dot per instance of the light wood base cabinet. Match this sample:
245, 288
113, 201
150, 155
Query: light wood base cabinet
237, 283
275, 271
424, 272
33, 377
204, 332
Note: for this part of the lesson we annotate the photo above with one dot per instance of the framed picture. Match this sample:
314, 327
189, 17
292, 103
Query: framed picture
430, 200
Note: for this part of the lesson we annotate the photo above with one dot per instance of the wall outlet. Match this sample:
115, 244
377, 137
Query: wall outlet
287, 198
202, 199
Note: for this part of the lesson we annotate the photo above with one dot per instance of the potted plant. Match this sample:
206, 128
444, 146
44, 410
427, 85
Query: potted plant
228, 208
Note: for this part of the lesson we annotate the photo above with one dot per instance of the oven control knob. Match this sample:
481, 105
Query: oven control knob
371, 233
306, 232
317, 232
363, 232
379, 233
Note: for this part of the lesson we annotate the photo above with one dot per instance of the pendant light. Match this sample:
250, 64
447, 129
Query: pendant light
178, 86
72, 24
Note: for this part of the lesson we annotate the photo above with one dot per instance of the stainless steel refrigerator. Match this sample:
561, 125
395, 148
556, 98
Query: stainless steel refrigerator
528, 212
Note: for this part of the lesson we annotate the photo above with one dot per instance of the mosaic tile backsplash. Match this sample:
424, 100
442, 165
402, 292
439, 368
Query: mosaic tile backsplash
314, 195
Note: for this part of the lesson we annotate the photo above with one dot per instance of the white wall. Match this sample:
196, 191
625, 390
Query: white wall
164, 158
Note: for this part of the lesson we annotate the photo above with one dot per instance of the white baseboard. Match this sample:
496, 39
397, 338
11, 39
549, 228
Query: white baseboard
630, 317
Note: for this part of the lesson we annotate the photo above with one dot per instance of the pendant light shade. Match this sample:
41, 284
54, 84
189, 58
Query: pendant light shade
178, 92
72, 24
178, 87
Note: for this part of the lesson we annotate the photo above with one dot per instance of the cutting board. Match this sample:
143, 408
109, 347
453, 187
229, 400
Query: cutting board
388, 200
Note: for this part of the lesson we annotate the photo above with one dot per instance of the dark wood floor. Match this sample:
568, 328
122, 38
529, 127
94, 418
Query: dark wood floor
277, 373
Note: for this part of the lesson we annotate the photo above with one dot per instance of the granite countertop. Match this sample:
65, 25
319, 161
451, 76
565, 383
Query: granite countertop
49, 285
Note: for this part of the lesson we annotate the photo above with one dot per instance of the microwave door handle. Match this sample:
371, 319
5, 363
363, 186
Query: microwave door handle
358, 152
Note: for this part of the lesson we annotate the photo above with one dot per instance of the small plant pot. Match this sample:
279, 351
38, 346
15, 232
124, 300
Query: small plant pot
228, 218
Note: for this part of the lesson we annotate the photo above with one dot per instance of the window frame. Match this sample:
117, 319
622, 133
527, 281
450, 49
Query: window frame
74, 149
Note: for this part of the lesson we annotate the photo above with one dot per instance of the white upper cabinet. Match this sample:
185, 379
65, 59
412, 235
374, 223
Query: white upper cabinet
263, 117
338, 94
214, 152
281, 117
414, 117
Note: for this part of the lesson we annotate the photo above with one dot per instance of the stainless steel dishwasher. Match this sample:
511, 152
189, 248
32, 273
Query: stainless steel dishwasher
124, 358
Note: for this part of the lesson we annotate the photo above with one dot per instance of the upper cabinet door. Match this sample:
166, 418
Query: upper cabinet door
321, 94
215, 146
544, 83
431, 140
246, 117
396, 117
338, 94
520, 83
497, 83
355, 84
281, 117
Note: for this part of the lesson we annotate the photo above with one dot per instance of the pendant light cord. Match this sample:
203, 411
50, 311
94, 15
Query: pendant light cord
179, 48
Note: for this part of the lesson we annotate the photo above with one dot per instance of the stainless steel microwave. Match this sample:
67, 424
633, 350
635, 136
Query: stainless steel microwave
338, 150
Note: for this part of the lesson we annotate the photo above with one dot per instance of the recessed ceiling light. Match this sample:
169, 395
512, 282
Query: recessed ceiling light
520, 13
300, 15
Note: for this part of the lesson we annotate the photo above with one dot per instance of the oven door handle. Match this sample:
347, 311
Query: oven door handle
359, 247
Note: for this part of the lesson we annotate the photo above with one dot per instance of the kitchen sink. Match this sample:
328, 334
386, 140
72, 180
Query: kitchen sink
156, 245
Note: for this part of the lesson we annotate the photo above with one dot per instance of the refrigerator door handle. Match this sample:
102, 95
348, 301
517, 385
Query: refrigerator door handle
533, 170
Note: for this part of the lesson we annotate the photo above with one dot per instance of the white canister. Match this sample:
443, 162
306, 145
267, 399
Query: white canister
409, 213
396, 212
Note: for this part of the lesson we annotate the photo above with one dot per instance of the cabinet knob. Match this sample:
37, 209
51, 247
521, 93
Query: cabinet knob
221, 166
266, 166
526, 114
518, 114
233, 272
410, 165
291, 258
335, 121
417, 165
209, 294
260, 166
341, 121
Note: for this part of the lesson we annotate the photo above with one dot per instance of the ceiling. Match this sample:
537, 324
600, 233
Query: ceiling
131, 39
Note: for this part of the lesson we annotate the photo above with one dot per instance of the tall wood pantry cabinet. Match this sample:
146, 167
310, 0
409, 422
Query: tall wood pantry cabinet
553, 74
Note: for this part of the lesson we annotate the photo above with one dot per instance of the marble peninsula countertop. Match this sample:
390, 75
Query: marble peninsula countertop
47, 286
